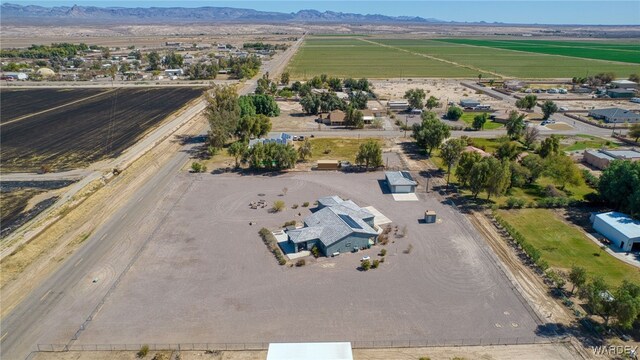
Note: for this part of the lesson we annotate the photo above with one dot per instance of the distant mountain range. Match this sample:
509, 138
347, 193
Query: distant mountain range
200, 14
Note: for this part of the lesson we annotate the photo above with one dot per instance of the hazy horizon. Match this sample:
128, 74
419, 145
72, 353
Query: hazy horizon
566, 12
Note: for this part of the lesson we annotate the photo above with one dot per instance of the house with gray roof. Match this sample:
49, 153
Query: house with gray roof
400, 182
615, 115
601, 159
336, 226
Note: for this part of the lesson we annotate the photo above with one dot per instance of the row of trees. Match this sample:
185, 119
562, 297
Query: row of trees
623, 303
242, 117
62, 50
415, 98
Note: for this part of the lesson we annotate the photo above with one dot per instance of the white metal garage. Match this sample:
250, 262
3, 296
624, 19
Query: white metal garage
619, 228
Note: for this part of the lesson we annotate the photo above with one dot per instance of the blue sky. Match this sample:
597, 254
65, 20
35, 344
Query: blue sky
601, 12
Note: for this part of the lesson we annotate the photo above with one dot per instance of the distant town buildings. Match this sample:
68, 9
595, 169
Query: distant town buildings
600, 159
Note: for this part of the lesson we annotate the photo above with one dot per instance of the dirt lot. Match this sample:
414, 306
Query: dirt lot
292, 118
206, 274
445, 90
79, 134
521, 352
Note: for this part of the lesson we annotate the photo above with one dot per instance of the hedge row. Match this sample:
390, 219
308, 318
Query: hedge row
272, 245
533, 253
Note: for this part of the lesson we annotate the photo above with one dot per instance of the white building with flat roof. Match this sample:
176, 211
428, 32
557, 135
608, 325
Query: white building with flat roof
619, 228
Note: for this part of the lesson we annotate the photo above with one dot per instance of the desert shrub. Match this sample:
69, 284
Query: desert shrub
272, 245
590, 179
424, 358
305, 204
382, 259
289, 223
383, 252
315, 251
300, 263
408, 249
552, 191
278, 206
159, 356
515, 203
295, 206
383, 239
553, 202
144, 350
375, 264
196, 167
365, 265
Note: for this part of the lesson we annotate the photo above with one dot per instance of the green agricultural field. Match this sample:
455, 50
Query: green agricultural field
563, 245
350, 57
627, 52
489, 125
461, 58
509, 63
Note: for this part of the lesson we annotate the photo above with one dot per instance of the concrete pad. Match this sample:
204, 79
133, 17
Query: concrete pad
405, 197
379, 219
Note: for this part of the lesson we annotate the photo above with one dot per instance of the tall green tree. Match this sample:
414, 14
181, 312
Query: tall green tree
359, 99
507, 150
454, 113
310, 104
578, 277
479, 121
154, 60
515, 125
550, 146
619, 185
432, 102
284, 78
562, 170
253, 126
595, 293
335, 84
548, 108
223, 114
237, 150
528, 102
173, 60
535, 164
415, 98
627, 304
463, 170
431, 132
450, 152
369, 154
479, 174
305, 150
499, 178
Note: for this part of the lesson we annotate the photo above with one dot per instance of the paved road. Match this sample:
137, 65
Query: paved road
579, 127
56, 309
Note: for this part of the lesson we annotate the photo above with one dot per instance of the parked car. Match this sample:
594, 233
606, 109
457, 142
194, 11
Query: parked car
365, 258
562, 108
301, 138
295, 138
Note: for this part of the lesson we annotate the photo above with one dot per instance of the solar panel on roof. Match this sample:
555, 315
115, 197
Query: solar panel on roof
352, 223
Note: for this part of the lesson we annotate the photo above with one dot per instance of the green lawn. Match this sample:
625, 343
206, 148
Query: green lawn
489, 125
336, 148
563, 245
589, 142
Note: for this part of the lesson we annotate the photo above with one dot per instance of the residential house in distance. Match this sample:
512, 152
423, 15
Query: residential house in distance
621, 93
615, 115
337, 226
398, 105
174, 72
620, 229
624, 84
14, 76
336, 117
367, 116
282, 138
469, 103
600, 159
400, 182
